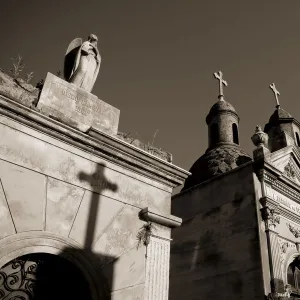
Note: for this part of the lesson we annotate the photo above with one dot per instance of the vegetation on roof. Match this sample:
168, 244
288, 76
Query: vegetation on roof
20, 89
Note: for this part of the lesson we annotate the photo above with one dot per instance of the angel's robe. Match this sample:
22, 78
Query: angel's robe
86, 68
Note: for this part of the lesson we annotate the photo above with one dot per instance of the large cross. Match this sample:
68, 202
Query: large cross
219, 76
276, 93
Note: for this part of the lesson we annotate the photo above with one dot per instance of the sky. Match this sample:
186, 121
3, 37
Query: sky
159, 56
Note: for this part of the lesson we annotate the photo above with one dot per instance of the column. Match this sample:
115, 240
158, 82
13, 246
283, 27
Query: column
157, 269
272, 218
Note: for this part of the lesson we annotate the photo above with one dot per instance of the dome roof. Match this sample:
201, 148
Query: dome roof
220, 106
215, 162
277, 115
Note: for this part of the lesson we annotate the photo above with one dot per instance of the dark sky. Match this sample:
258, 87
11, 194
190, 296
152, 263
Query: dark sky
158, 59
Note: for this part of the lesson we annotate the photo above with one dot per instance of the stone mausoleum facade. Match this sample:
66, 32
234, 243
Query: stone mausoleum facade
240, 233
84, 214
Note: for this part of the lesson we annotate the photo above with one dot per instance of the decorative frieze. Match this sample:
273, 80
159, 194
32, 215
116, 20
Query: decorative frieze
283, 200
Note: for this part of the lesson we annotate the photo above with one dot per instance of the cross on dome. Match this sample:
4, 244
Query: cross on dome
219, 76
276, 93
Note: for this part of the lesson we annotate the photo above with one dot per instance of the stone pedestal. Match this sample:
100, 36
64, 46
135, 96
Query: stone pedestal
73, 105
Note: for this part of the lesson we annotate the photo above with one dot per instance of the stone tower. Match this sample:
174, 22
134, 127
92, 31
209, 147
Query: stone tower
223, 153
239, 238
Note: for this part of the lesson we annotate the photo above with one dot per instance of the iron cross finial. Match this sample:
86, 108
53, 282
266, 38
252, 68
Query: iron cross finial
276, 93
219, 76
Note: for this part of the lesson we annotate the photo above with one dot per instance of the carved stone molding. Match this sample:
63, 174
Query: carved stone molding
289, 171
150, 215
271, 217
285, 246
295, 231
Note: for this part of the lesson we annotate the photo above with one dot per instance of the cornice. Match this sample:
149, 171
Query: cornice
150, 215
278, 181
284, 212
97, 143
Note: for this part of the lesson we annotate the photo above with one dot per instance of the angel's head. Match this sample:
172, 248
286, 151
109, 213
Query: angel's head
93, 39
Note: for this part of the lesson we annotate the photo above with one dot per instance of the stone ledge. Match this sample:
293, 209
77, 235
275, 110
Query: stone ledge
103, 145
167, 220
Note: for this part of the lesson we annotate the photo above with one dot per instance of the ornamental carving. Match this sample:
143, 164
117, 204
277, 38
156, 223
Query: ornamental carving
271, 217
18, 280
285, 246
281, 296
259, 138
289, 171
295, 231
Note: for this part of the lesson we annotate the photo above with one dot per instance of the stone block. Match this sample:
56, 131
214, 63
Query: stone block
121, 234
107, 209
25, 192
73, 105
133, 261
6, 224
131, 293
63, 200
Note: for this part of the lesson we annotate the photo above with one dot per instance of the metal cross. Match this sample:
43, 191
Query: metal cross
219, 76
276, 93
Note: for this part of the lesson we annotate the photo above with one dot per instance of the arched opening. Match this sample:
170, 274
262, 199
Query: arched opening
235, 134
293, 277
214, 134
42, 276
297, 139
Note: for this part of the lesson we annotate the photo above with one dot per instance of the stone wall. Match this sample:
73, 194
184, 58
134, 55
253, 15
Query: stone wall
215, 254
63, 199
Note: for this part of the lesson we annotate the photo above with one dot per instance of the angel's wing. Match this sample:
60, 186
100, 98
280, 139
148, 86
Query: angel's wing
71, 56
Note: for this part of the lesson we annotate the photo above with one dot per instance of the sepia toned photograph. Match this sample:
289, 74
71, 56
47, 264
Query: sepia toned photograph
150, 150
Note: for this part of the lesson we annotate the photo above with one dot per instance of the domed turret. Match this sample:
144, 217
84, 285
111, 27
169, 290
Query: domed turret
283, 130
222, 120
223, 153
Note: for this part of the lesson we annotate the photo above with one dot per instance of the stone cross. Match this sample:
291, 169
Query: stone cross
276, 93
219, 76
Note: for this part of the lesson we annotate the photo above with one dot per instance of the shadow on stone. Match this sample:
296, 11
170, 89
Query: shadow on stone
75, 273
100, 267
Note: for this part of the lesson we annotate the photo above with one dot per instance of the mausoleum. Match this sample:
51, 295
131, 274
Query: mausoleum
84, 213
239, 237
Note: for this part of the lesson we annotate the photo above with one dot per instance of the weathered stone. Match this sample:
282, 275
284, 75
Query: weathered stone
106, 212
79, 196
63, 202
135, 292
25, 192
72, 104
6, 224
134, 262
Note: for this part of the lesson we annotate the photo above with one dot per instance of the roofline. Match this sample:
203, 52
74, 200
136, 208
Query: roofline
97, 143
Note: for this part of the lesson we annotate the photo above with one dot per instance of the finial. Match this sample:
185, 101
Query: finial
259, 138
276, 93
219, 76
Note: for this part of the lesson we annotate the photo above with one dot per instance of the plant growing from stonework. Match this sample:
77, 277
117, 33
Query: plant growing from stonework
18, 66
58, 73
154, 136
144, 234
28, 77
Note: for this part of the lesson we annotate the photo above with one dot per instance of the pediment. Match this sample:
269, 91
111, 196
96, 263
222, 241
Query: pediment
287, 161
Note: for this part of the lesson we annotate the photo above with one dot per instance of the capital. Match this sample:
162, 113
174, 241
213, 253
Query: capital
271, 217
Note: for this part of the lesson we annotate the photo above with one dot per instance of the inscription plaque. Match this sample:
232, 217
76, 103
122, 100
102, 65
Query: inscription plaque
283, 200
69, 103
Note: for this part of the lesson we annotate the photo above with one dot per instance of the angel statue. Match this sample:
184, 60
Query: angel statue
82, 62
